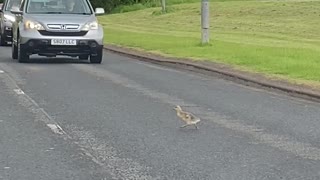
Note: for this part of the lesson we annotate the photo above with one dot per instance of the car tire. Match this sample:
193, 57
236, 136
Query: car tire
84, 57
2, 41
14, 51
22, 54
97, 59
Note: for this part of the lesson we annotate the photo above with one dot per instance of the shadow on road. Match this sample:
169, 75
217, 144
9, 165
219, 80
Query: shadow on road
39, 60
35, 59
57, 60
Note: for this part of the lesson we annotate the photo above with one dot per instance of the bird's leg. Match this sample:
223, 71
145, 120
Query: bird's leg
196, 126
184, 126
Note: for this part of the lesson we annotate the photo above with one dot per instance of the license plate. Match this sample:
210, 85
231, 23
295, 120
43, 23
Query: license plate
64, 42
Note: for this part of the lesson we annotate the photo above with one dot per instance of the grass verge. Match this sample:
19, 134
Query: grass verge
277, 38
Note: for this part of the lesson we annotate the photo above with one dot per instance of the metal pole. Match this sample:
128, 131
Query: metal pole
205, 24
163, 4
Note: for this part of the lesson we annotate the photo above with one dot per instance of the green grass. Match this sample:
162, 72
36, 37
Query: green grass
278, 38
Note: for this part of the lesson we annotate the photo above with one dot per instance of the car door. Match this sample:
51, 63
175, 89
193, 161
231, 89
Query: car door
15, 25
2, 16
4, 6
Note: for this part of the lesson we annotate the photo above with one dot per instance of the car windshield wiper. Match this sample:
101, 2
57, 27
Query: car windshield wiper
66, 13
81, 13
53, 12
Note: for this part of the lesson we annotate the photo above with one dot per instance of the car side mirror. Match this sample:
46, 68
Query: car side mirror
16, 11
99, 11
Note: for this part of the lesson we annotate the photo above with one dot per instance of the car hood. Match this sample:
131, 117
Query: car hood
8, 13
46, 19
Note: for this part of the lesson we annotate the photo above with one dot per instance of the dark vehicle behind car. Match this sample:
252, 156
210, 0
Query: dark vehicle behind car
6, 20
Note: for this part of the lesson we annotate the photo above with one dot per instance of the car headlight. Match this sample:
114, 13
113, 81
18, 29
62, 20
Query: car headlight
9, 17
90, 26
33, 25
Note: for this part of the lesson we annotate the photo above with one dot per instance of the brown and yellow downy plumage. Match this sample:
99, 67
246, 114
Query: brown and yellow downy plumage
187, 117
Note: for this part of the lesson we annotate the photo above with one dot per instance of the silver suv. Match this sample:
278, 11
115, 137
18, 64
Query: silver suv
6, 19
57, 27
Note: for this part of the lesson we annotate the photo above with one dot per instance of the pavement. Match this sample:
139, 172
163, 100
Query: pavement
68, 119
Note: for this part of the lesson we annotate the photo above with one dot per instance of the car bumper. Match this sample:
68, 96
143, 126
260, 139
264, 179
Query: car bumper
7, 32
26, 35
36, 42
43, 47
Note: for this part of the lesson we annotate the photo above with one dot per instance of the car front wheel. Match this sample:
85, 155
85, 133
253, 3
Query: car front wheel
97, 59
2, 41
22, 54
14, 51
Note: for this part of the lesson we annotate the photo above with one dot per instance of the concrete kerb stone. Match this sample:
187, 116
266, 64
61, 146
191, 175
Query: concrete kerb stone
247, 78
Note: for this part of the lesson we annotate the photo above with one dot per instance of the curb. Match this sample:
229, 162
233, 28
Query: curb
302, 91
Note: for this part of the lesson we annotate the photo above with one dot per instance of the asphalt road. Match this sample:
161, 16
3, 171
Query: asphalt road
117, 122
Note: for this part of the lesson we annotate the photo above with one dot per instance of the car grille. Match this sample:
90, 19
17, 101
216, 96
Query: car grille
63, 33
63, 26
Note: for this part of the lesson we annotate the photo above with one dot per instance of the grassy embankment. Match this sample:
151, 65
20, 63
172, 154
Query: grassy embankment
277, 38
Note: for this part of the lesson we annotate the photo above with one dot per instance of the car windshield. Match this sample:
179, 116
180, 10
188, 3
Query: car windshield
12, 4
58, 7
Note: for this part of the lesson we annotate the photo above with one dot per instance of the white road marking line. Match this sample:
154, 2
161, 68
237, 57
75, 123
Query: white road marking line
109, 156
19, 91
50, 149
1, 121
9, 71
7, 167
1, 71
43, 117
55, 128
